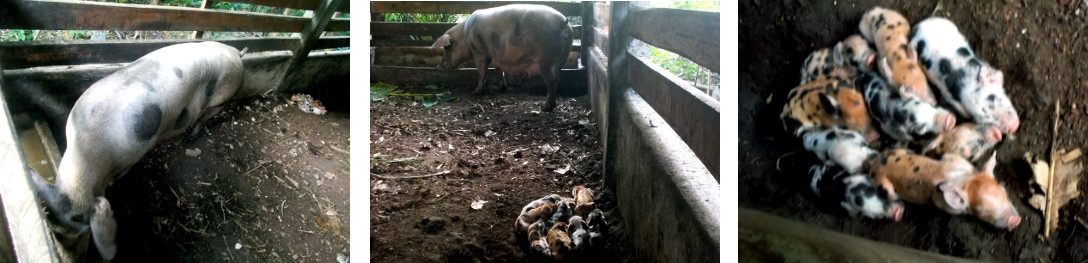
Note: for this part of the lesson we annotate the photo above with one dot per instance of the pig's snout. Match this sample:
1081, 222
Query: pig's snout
993, 134
1013, 221
896, 212
1010, 123
946, 121
872, 135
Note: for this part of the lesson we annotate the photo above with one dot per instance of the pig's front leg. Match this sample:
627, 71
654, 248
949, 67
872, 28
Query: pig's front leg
551, 80
481, 72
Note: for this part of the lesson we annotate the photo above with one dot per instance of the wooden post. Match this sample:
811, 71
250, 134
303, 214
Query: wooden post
310, 34
204, 4
618, 41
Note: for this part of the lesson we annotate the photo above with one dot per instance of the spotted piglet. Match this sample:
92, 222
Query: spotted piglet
970, 140
843, 148
951, 183
900, 115
974, 88
899, 63
845, 60
854, 193
826, 103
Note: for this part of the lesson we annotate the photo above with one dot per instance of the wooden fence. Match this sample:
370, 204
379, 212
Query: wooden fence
401, 53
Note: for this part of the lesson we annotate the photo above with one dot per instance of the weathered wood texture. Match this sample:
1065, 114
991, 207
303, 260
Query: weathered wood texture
692, 34
295, 4
61, 15
568, 9
692, 114
17, 55
430, 57
309, 36
765, 237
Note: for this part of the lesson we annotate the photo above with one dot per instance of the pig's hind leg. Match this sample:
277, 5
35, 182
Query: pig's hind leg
551, 80
209, 112
481, 72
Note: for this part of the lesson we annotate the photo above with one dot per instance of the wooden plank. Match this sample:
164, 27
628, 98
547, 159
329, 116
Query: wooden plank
689, 33
451, 7
295, 4
204, 4
601, 38
332, 42
691, 113
338, 24
618, 82
425, 29
322, 17
767, 237
602, 15
568, 78
18, 55
64, 15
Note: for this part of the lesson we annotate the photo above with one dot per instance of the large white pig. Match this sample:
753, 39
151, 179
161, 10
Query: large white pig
520, 39
123, 116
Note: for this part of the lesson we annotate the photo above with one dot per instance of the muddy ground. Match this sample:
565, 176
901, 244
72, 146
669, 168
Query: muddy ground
497, 148
1040, 45
268, 177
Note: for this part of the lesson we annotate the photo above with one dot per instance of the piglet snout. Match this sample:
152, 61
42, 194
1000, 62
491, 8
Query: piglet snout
872, 135
948, 121
896, 212
993, 134
1010, 123
1013, 221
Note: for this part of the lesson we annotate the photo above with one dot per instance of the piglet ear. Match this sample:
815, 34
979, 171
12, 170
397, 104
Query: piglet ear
885, 68
906, 91
988, 169
912, 52
104, 229
955, 198
990, 76
836, 54
932, 145
831, 105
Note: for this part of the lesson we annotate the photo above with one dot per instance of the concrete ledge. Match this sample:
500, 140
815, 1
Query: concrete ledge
667, 197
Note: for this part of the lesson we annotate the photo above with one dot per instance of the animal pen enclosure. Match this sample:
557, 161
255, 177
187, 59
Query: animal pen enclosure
654, 139
41, 80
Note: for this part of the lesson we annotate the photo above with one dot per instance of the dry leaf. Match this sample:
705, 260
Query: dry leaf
1067, 175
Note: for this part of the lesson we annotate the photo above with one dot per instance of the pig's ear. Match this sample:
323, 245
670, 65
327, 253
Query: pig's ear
885, 68
990, 76
912, 52
830, 104
836, 54
952, 196
932, 145
442, 41
906, 91
871, 61
988, 168
104, 229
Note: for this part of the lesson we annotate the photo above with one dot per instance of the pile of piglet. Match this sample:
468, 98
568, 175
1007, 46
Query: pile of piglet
561, 228
874, 89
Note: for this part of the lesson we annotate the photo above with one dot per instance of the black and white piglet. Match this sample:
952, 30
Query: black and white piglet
841, 147
854, 192
971, 86
902, 115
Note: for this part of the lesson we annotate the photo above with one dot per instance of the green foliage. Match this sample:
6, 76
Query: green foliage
380, 91
712, 6
80, 34
184, 3
17, 35
418, 18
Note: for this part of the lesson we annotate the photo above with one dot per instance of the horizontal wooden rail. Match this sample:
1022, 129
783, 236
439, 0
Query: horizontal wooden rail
294, 4
18, 55
692, 114
426, 29
400, 75
63, 15
692, 34
568, 9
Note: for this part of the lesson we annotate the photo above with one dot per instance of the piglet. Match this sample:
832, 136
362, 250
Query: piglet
899, 63
973, 87
854, 192
970, 140
952, 184
583, 200
901, 115
844, 148
827, 103
846, 60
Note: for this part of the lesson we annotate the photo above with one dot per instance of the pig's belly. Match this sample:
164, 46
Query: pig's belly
518, 68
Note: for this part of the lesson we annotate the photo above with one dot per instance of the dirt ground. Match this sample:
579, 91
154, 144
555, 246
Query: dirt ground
1040, 46
268, 177
497, 148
